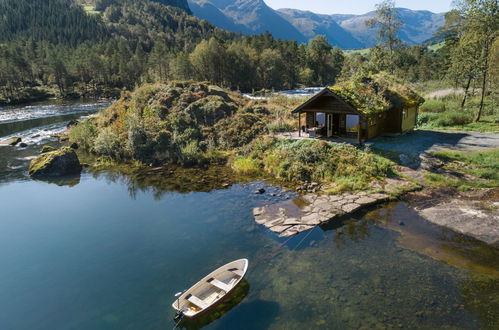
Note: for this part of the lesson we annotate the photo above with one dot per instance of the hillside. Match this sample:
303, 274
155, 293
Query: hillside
246, 16
56, 21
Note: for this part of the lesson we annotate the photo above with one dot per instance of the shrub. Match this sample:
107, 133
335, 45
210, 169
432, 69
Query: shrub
191, 154
84, 134
108, 144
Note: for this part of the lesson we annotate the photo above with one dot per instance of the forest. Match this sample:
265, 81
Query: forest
101, 47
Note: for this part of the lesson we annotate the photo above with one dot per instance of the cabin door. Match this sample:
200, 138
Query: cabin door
329, 124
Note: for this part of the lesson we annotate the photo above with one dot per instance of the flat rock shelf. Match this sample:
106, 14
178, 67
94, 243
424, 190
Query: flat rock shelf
305, 212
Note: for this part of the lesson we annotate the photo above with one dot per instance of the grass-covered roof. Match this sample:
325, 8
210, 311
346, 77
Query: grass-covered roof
376, 94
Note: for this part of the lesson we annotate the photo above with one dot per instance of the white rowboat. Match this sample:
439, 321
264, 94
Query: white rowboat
211, 290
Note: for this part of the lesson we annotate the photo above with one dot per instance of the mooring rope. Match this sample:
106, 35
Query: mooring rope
271, 253
304, 238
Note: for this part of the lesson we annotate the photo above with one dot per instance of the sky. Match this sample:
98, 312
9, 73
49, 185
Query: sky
357, 6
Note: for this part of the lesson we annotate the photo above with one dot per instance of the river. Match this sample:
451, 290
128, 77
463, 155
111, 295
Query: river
105, 251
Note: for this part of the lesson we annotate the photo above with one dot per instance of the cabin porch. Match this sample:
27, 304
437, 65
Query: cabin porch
295, 135
331, 125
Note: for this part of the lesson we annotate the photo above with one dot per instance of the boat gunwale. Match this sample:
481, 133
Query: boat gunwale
204, 279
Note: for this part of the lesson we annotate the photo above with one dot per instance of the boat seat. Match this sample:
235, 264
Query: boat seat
196, 301
219, 284
236, 271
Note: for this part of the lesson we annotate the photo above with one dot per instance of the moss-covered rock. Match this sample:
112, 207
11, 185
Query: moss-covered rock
60, 162
45, 149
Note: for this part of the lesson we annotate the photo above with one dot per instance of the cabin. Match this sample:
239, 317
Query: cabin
328, 115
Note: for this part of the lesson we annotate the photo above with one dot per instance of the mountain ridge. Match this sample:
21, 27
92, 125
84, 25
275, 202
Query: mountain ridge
347, 31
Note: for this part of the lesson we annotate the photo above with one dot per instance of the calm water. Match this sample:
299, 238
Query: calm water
109, 252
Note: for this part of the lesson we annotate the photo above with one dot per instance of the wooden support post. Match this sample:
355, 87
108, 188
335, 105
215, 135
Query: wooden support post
299, 124
359, 132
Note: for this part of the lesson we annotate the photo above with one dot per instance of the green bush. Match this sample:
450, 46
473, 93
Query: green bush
107, 143
433, 106
191, 154
84, 134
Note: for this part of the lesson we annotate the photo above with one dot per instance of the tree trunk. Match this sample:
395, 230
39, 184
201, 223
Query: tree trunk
484, 84
466, 92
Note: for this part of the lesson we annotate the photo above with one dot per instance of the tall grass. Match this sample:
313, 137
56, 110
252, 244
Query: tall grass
342, 166
246, 165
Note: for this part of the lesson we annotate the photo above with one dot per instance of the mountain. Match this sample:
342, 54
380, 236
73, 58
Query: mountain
311, 24
419, 26
342, 30
246, 16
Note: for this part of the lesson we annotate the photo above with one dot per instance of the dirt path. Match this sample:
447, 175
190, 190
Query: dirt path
444, 92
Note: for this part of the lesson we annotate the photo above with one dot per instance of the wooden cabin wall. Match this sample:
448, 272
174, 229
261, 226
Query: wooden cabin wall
378, 124
394, 121
409, 119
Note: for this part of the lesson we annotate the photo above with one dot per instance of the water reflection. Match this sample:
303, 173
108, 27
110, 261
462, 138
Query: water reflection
67, 180
166, 180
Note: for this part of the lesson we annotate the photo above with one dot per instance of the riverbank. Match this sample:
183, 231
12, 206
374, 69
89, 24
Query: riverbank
34, 95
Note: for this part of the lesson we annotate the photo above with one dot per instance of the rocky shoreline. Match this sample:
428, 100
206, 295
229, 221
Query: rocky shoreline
305, 212
474, 213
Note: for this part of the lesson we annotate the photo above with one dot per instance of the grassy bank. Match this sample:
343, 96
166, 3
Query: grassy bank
474, 169
339, 167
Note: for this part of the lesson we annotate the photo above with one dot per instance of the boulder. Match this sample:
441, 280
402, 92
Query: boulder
12, 141
72, 123
45, 149
23, 145
56, 163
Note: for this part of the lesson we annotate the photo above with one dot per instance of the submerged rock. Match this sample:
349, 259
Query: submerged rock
55, 163
259, 191
23, 145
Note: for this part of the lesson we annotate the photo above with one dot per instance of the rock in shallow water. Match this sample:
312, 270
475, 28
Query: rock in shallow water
55, 163
12, 141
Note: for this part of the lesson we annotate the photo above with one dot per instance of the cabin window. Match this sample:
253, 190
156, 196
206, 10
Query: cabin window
372, 122
405, 114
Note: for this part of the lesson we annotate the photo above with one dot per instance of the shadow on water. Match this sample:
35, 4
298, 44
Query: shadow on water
236, 297
255, 314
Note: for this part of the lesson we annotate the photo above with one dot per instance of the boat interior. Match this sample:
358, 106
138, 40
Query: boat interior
209, 290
